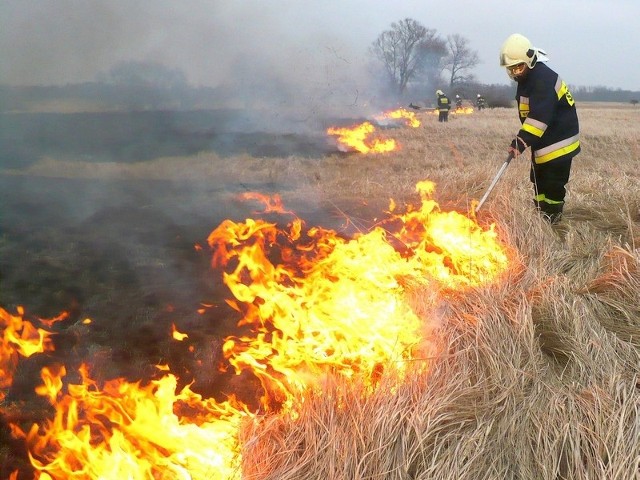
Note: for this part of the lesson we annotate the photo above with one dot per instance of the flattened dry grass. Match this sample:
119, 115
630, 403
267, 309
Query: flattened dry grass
538, 375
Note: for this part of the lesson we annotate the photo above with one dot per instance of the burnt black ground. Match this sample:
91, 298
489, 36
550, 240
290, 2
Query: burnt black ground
122, 253
145, 135
111, 251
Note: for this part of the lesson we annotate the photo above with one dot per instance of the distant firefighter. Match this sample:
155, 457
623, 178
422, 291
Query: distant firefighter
458, 101
444, 105
481, 103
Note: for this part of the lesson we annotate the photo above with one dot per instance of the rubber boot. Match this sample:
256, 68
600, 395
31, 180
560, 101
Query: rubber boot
552, 212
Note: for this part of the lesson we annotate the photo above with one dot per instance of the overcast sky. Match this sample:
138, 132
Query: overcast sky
51, 42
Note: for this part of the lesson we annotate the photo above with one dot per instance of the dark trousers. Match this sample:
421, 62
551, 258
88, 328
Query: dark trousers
443, 115
549, 180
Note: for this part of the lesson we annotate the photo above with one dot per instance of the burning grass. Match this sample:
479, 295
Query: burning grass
532, 375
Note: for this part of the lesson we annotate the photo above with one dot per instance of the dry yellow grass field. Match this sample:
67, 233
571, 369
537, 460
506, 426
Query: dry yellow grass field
538, 375
542, 377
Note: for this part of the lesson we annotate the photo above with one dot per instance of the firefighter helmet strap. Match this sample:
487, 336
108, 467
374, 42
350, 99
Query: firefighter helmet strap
533, 55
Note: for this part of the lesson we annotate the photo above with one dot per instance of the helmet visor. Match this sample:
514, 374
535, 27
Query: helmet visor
516, 70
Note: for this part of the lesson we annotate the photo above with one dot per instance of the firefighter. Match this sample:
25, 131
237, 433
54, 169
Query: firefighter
481, 103
549, 121
444, 105
458, 101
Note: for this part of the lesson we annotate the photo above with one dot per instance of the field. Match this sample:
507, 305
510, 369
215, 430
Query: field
532, 376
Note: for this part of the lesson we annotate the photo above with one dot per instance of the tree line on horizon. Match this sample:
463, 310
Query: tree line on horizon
151, 97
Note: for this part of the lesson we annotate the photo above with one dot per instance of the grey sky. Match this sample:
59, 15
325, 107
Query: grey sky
589, 42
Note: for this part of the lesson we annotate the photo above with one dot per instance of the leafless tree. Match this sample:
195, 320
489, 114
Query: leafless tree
460, 60
407, 50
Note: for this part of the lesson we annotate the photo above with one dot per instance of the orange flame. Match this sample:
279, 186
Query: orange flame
314, 303
358, 138
272, 204
126, 430
176, 335
462, 111
401, 113
338, 305
18, 337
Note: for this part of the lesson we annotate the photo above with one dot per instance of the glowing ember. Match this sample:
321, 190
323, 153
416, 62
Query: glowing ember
358, 138
179, 336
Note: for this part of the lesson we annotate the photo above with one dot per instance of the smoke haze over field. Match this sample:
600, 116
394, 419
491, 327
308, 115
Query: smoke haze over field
320, 45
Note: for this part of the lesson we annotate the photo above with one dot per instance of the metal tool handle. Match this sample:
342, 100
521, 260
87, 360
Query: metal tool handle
495, 180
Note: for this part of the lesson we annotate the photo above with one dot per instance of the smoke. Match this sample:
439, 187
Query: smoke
56, 42
262, 53
280, 75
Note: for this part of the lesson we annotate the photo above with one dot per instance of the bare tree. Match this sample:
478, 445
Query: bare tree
460, 60
406, 50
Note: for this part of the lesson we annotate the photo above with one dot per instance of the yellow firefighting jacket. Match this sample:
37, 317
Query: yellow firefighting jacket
548, 116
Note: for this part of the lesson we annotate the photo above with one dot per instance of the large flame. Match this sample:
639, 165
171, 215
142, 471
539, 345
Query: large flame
338, 305
312, 303
125, 430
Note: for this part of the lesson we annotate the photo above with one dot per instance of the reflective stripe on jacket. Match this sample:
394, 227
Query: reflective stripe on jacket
548, 115
443, 103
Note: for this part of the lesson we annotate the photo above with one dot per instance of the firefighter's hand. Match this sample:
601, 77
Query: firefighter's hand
513, 152
517, 146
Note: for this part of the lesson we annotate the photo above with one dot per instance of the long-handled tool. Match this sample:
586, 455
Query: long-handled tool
495, 180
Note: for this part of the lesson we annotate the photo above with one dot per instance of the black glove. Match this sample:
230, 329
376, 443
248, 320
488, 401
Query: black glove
518, 144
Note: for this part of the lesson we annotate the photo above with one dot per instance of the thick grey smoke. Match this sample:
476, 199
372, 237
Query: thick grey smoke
263, 53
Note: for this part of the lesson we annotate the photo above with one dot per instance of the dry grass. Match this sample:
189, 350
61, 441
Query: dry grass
539, 378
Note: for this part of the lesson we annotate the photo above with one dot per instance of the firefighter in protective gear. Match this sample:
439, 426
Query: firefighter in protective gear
549, 121
458, 101
481, 103
444, 105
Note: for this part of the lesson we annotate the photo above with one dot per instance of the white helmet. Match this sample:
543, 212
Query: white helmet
439, 92
516, 52
518, 49
479, 95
